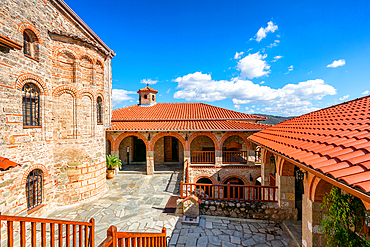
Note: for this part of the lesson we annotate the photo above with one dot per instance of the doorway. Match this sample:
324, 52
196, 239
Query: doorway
171, 149
299, 190
139, 150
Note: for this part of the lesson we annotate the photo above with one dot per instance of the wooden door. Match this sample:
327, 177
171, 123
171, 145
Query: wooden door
167, 148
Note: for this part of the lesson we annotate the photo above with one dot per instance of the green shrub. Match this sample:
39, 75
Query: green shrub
343, 223
113, 161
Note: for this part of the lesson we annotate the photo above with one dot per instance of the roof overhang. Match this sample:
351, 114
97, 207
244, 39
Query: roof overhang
362, 195
193, 130
68, 11
8, 43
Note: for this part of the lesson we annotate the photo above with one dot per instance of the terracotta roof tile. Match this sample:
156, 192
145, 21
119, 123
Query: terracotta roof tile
5, 164
180, 111
334, 140
186, 125
147, 89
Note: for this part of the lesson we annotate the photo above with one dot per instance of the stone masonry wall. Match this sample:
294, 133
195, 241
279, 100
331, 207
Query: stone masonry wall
71, 71
246, 210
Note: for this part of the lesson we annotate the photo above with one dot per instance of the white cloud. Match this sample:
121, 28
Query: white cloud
276, 42
120, 95
337, 63
237, 107
290, 68
148, 81
262, 32
292, 99
262, 82
168, 91
366, 92
253, 66
248, 110
238, 55
344, 97
276, 58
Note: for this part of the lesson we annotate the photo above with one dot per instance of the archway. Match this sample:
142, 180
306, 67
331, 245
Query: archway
205, 190
234, 150
168, 154
132, 152
202, 150
299, 190
236, 192
108, 146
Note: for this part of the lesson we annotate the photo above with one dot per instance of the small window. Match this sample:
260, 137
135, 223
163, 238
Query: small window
145, 96
31, 105
30, 47
153, 97
99, 107
27, 44
34, 189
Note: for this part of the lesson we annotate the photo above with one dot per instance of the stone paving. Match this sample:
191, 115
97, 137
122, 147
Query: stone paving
133, 202
230, 232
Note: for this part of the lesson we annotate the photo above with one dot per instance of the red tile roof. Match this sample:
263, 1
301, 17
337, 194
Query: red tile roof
147, 89
180, 111
334, 141
183, 116
5, 164
206, 125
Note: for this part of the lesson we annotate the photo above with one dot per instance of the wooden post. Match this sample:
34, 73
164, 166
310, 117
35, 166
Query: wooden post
0, 229
92, 232
181, 189
228, 191
112, 231
10, 233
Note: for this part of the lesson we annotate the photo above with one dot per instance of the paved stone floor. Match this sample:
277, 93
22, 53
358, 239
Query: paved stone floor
141, 167
135, 203
230, 232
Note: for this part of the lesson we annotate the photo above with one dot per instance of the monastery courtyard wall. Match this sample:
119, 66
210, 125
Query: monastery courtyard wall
68, 75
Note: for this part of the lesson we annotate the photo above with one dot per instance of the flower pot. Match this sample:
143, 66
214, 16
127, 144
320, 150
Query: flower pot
110, 174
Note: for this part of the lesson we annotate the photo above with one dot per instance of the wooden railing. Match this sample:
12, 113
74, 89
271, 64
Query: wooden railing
240, 157
229, 192
203, 157
42, 232
134, 239
272, 181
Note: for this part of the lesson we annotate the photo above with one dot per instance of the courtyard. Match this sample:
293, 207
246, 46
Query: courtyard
135, 203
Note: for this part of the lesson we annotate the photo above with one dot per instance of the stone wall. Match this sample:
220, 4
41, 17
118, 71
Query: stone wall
201, 142
246, 210
71, 70
159, 152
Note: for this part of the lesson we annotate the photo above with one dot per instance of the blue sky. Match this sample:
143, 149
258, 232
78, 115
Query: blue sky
267, 57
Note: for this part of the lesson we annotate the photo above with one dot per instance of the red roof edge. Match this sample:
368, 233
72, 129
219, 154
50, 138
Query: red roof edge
147, 89
5, 164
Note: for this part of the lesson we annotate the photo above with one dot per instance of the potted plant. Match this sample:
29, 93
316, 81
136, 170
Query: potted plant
112, 162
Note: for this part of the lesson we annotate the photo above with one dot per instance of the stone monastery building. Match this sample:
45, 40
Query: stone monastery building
209, 143
55, 98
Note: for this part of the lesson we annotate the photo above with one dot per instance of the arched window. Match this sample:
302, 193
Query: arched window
99, 107
30, 47
27, 44
31, 105
34, 189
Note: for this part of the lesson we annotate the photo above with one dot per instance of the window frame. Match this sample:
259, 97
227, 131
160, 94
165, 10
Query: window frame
99, 110
34, 194
32, 104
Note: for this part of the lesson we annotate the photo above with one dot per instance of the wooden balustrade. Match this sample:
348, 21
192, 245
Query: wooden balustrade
272, 181
229, 192
203, 157
40, 232
134, 239
240, 157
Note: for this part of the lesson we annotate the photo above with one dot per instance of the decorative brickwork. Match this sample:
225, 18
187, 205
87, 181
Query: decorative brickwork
69, 145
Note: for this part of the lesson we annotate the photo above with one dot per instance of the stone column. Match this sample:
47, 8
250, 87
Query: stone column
149, 162
114, 152
311, 218
286, 192
218, 158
